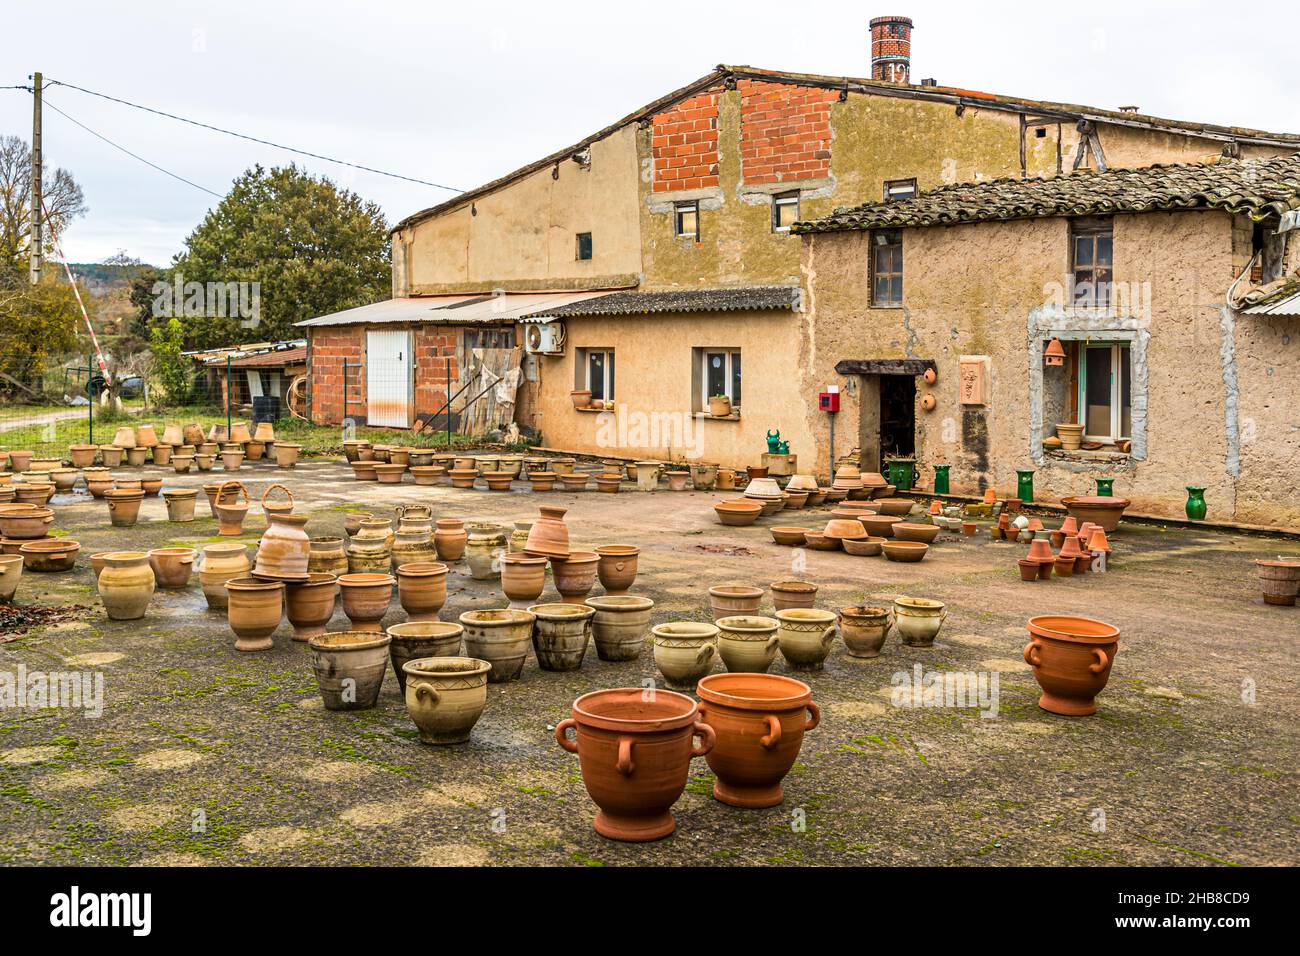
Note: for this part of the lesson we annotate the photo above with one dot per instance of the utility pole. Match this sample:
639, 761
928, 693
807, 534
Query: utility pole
35, 249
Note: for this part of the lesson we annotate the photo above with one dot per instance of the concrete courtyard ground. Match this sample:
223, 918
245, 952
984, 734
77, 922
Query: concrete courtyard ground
205, 755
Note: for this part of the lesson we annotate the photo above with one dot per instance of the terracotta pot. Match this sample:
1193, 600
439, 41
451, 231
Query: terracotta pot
255, 450
747, 643
352, 521
704, 476
561, 633
151, 486
11, 572
286, 454
254, 609
239, 433
864, 629
204, 461
125, 585
619, 626
422, 589
617, 567
352, 449
389, 474
759, 720
110, 455
805, 637
575, 481
918, 620
349, 668
427, 474
484, 550
738, 513
498, 480
264, 432
519, 536
609, 484
309, 604
792, 594
905, 551
193, 435
880, 526
34, 493
1071, 658
232, 458
416, 640
543, 480
181, 464
450, 538
172, 567
499, 637
123, 507
635, 752
371, 549
1028, 569
125, 437
523, 578
789, 536
684, 651
563, 466
127, 484
366, 598
575, 575
135, 457
1279, 580
365, 471
906, 531
730, 600
82, 456
99, 485
677, 480
1064, 567
726, 479
49, 554
463, 477
25, 522
445, 697
326, 555
222, 563
412, 547
285, 547
1104, 511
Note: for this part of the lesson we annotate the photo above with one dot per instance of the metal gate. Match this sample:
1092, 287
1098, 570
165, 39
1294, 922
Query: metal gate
388, 379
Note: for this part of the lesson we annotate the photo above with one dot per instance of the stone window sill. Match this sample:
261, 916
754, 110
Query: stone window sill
1082, 454
592, 410
733, 417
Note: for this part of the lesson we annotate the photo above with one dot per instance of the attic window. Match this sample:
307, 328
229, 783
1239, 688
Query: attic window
1041, 132
785, 211
686, 220
896, 189
584, 246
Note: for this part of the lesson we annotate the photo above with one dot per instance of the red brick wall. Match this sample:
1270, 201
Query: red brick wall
685, 145
785, 131
329, 348
433, 347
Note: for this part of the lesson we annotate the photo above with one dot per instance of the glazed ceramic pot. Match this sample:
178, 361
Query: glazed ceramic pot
619, 625
805, 637
1279, 580
415, 640
349, 668
326, 555
561, 633
747, 643
738, 513
759, 721
684, 651
864, 629
730, 600
1071, 658
11, 572
309, 604
172, 567
222, 563
286, 454
254, 609
483, 551
499, 637
575, 575
617, 567
445, 696
285, 548
422, 589
450, 538
229, 510
793, 594
123, 506
370, 551
522, 578
49, 554
25, 522
918, 620
366, 597
126, 584
635, 753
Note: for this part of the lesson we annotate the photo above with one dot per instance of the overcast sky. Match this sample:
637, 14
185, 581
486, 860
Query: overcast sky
460, 93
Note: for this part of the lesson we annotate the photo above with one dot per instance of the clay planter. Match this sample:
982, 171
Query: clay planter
838, 529
684, 651
519, 536
286, 454
575, 481
352, 449
65, 479
759, 721
1071, 436
1028, 569
1279, 580
254, 609
499, 637
805, 637
575, 575
635, 754
34, 493
82, 456
123, 506
371, 549
98, 485
737, 513
677, 480
135, 457
309, 604
619, 626
128, 484
463, 477
926, 533
880, 526
389, 474
222, 563
793, 594
561, 633
422, 590
366, 598
483, 551
789, 537
1105, 512
181, 464
864, 629
172, 567
609, 484
427, 474
232, 458
230, 515
747, 643
264, 432
110, 455
905, 551
726, 479
255, 450
151, 486
450, 538
49, 554
1064, 567
730, 600
365, 470
11, 572
284, 550
445, 697
617, 567
349, 668
522, 578
25, 522
1071, 658
647, 475
498, 480
352, 521
542, 480
864, 547
125, 585
918, 620
276, 507
416, 640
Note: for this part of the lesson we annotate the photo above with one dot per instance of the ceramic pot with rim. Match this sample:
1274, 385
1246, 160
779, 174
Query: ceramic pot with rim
221, 563
561, 633
370, 551
635, 753
575, 576
1071, 657
747, 643
416, 640
126, 584
255, 450
647, 475
792, 594
230, 513
99, 485
864, 629
1279, 580
500, 637
82, 456
11, 572
759, 721
366, 597
730, 600
483, 550
286, 454
543, 480
172, 567
519, 536
522, 578
445, 696
684, 651
25, 522
65, 479
617, 567
352, 521
412, 547
549, 536
309, 604
422, 589
270, 507
450, 538
181, 464
918, 620
180, 503
349, 668
123, 506
285, 547
326, 555
264, 432
254, 609
1103, 511
46, 555
619, 625
805, 637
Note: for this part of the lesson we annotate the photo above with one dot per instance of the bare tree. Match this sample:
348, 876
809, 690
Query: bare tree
64, 200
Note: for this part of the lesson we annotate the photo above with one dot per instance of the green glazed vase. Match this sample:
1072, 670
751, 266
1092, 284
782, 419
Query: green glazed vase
1106, 487
1196, 506
1025, 485
941, 479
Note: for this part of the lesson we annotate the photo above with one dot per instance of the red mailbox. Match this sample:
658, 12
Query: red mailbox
828, 401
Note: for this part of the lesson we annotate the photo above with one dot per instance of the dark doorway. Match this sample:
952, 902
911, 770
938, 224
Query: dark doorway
897, 416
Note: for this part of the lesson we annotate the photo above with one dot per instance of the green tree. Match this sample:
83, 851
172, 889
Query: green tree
37, 323
312, 247
175, 372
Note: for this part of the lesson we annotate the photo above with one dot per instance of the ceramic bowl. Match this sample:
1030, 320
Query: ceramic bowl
863, 547
905, 550
844, 528
789, 536
893, 506
819, 542
880, 526
737, 514
906, 531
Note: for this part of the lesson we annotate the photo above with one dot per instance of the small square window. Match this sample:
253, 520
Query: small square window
1041, 132
686, 220
584, 246
896, 189
785, 211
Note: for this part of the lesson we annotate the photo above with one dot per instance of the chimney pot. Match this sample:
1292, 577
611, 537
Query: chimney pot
891, 49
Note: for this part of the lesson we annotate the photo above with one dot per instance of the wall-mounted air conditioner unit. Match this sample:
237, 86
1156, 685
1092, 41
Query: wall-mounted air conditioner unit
544, 338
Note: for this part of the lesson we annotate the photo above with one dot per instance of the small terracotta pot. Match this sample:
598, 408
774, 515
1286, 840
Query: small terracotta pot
617, 567
366, 598
561, 633
254, 609
1279, 580
349, 668
172, 567
445, 696
221, 563
575, 575
230, 513
619, 625
730, 600
1071, 658
416, 640
309, 604
82, 456
793, 594
864, 629
286, 454
450, 538
522, 578
123, 507
422, 589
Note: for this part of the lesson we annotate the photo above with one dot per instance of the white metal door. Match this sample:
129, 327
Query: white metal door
388, 379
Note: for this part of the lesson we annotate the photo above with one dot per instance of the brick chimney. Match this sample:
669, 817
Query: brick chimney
891, 49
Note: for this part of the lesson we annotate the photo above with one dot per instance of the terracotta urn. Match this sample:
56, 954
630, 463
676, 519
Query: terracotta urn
747, 643
483, 550
730, 600
574, 576
82, 456
523, 578
126, 584
918, 620
1279, 580
415, 640
25, 522
366, 597
221, 563
561, 633
285, 547
254, 609
864, 629
726, 479
500, 637
309, 604
413, 547
123, 506
759, 721
635, 751
326, 555
1071, 658
172, 567
11, 572
793, 594
619, 625
49, 554
445, 696
519, 536
349, 668
805, 637
450, 538
286, 454
422, 589
617, 567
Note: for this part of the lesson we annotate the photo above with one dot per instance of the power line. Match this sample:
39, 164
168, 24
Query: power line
254, 139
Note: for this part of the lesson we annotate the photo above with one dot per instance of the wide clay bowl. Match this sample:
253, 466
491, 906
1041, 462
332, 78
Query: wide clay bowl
844, 528
758, 722
789, 536
49, 554
737, 514
1101, 510
880, 526
851, 514
864, 547
1071, 657
893, 506
907, 551
820, 542
906, 531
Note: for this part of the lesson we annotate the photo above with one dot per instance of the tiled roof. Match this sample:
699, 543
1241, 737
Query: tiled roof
749, 298
1279, 297
1258, 188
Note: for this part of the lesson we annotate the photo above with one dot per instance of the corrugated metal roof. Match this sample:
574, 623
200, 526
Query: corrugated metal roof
1277, 298
468, 309
267, 359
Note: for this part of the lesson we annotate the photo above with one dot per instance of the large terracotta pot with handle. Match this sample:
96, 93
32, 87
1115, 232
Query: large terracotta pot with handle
684, 651
445, 696
172, 567
759, 720
230, 513
285, 548
635, 753
805, 636
617, 567
1071, 657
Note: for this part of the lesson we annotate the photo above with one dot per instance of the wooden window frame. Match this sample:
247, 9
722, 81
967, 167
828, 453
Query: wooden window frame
1090, 292
691, 206
577, 251
875, 272
733, 369
609, 381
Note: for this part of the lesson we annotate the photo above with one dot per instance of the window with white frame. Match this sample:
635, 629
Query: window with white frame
719, 374
686, 220
785, 211
1106, 391
596, 372
896, 189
